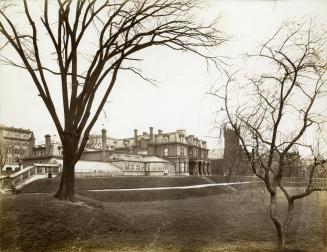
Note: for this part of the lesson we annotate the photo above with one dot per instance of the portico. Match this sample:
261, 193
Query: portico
199, 167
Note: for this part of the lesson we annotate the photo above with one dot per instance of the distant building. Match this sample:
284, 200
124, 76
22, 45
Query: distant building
293, 166
14, 143
129, 160
230, 160
187, 152
101, 161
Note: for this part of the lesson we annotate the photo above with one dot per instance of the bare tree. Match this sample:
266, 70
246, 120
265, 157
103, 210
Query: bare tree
279, 113
91, 42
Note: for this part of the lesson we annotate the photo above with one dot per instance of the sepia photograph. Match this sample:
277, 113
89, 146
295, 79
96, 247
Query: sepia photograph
163, 125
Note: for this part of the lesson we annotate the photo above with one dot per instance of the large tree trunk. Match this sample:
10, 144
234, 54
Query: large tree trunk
67, 183
278, 225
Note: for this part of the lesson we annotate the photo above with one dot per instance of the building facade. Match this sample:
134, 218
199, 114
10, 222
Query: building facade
142, 165
173, 153
188, 153
14, 144
100, 160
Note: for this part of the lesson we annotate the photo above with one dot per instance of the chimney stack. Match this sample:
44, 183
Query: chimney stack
135, 137
104, 139
135, 140
159, 132
104, 144
151, 135
47, 144
31, 144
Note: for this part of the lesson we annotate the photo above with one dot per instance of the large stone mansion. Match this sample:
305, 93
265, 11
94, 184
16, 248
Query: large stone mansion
173, 153
188, 153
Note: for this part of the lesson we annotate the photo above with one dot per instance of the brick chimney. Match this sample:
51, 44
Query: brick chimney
135, 140
151, 135
159, 132
31, 144
104, 144
135, 137
47, 145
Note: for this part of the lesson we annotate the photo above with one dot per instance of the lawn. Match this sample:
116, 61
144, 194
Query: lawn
51, 185
88, 183
200, 221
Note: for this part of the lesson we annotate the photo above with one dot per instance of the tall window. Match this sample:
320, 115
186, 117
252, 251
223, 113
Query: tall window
182, 167
166, 152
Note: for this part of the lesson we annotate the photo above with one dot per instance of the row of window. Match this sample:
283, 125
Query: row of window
183, 153
16, 144
181, 139
12, 157
157, 168
134, 167
140, 167
17, 134
180, 152
197, 153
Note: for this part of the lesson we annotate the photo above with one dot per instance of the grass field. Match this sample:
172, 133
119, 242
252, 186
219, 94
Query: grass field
51, 185
88, 183
200, 220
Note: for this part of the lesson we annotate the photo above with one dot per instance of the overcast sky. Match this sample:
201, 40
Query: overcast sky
179, 101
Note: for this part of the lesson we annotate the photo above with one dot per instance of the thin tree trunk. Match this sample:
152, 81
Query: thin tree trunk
67, 183
289, 216
278, 225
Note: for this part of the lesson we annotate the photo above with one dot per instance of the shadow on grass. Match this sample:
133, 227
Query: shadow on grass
43, 223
